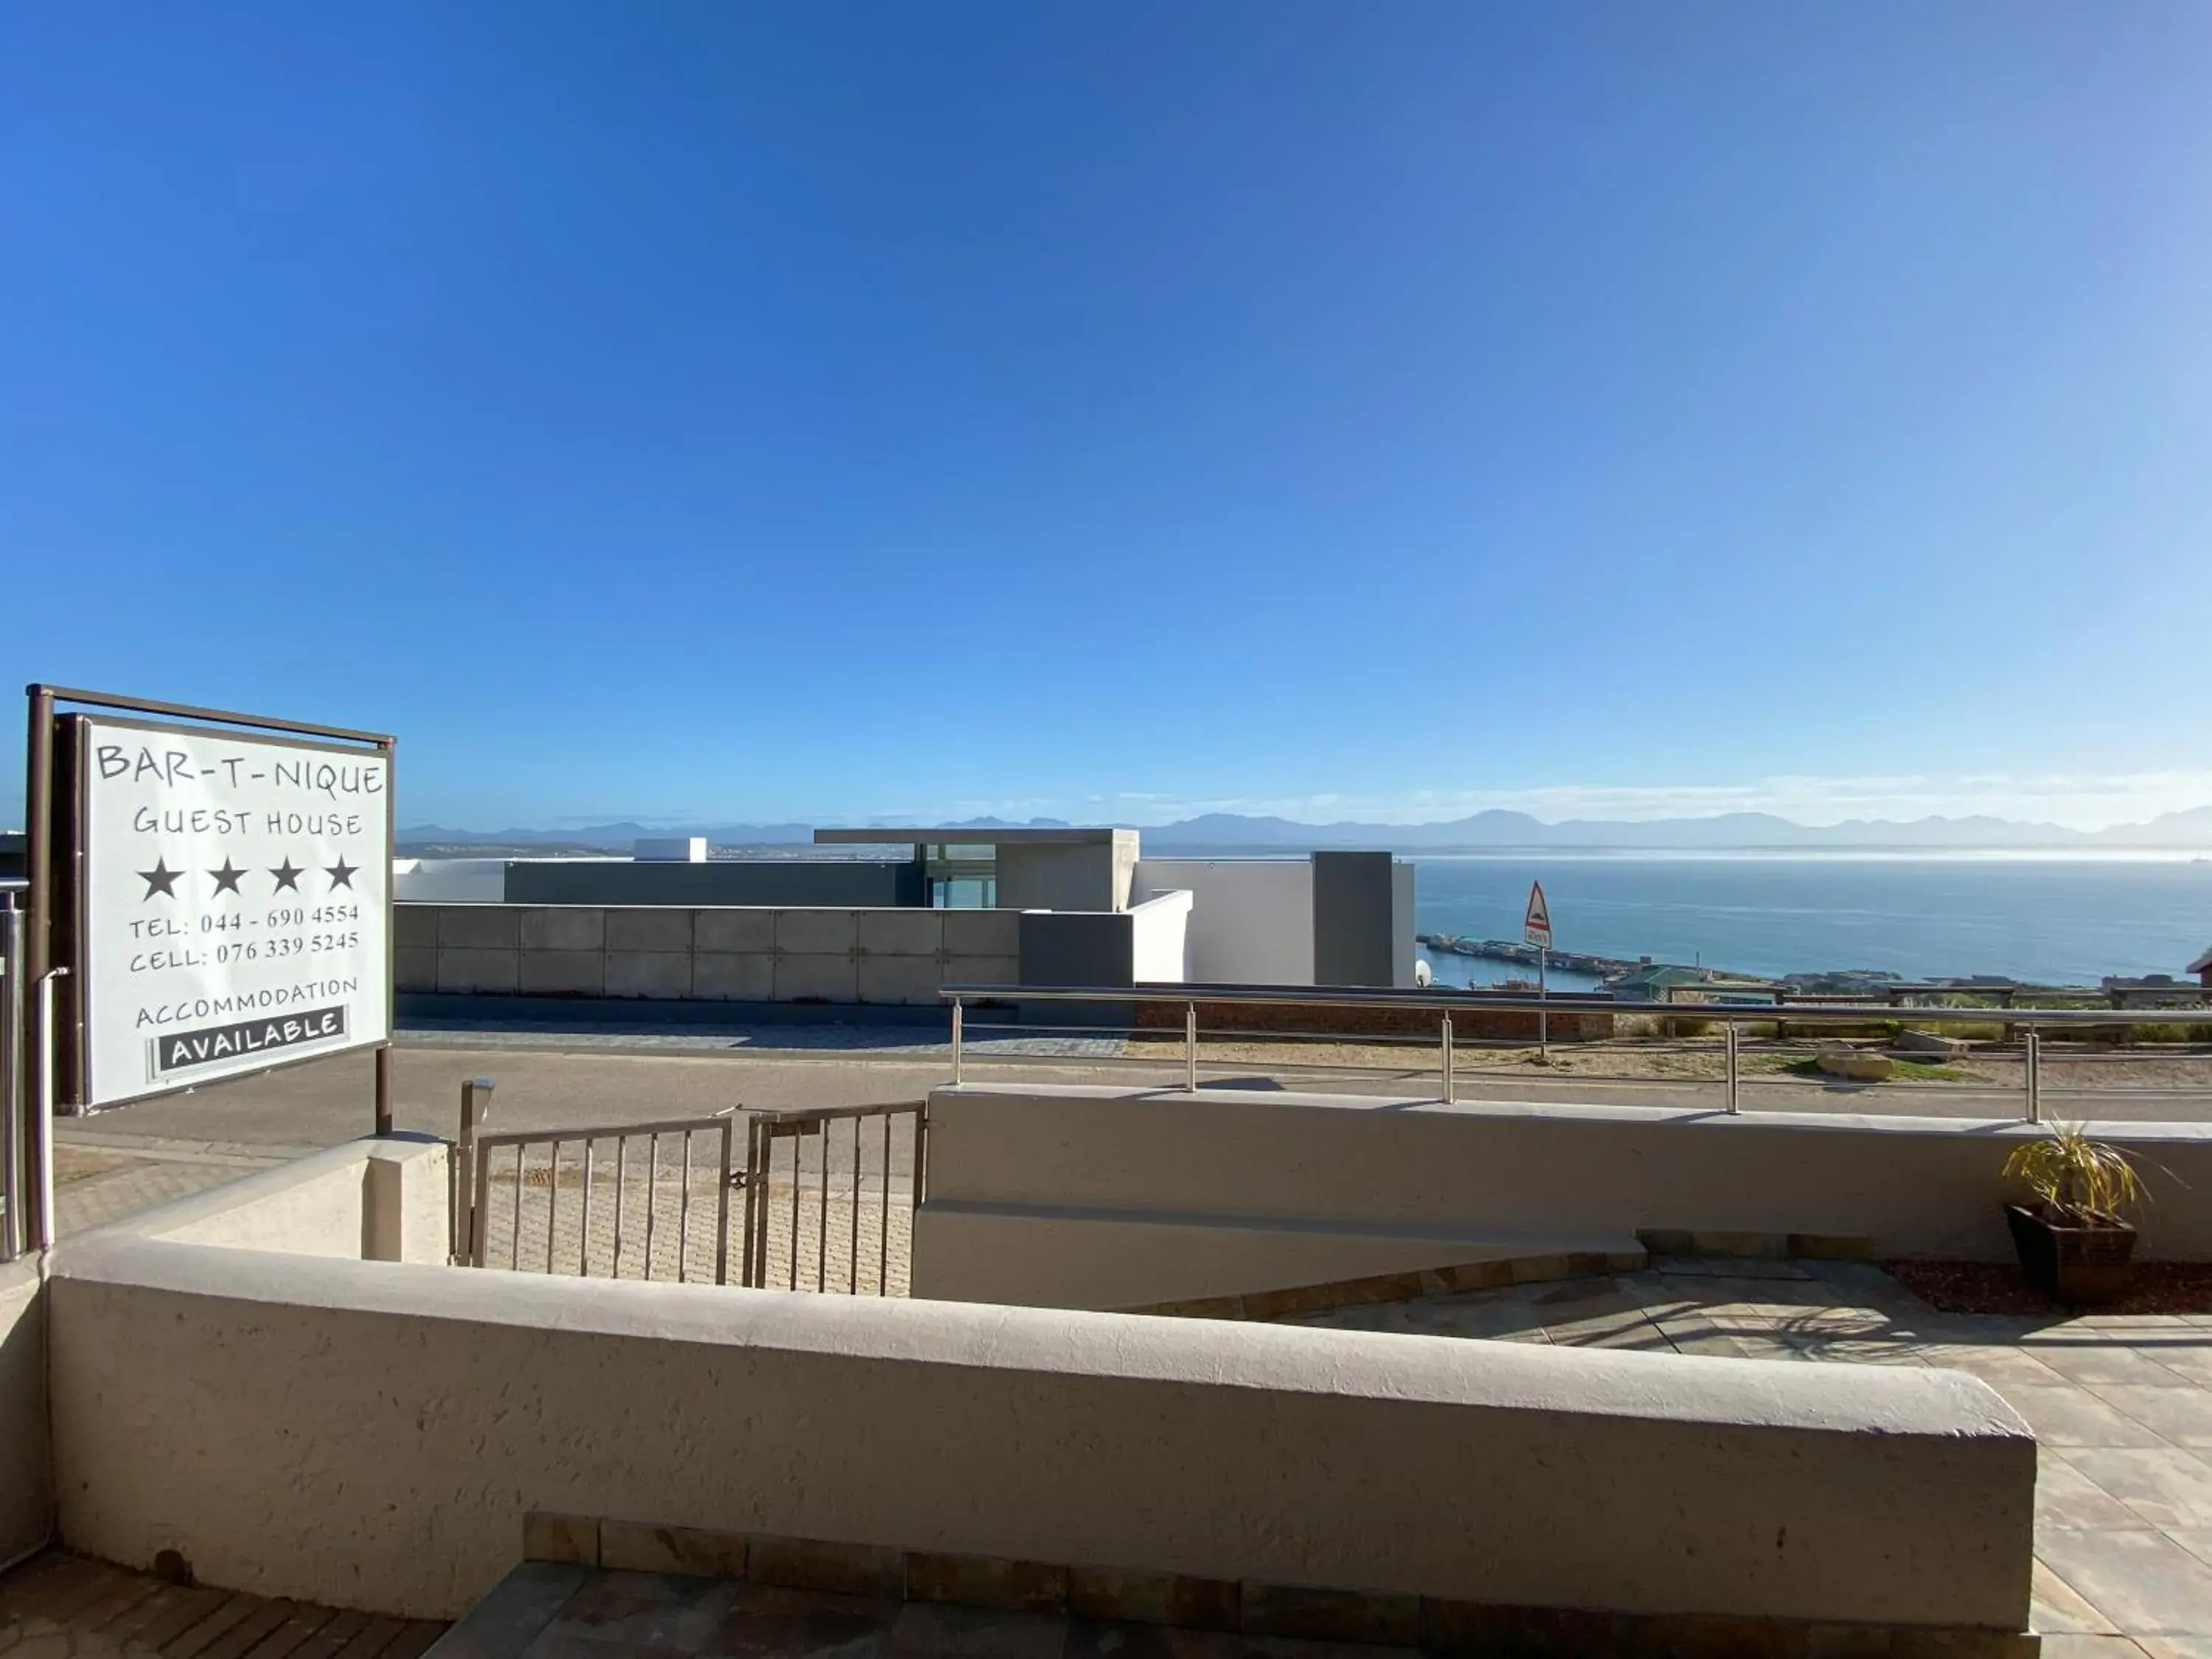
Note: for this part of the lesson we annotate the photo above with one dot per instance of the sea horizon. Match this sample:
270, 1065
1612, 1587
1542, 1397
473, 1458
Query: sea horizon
2045, 920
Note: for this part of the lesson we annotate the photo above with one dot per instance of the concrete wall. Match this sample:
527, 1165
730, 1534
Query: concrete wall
1077, 947
372, 1435
367, 1200
1405, 950
1160, 939
891, 956
25, 1484
1251, 920
1066, 875
1353, 903
838, 883
1113, 1197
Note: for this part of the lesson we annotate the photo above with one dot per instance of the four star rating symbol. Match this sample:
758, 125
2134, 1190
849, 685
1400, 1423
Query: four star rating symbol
161, 881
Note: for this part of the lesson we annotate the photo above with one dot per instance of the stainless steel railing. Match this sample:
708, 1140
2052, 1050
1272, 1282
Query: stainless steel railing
15, 1149
2032, 1024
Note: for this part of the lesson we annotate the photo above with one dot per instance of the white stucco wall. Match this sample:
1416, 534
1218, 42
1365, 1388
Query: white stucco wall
1251, 920
26, 1491
1040, 1190
1160, 938
371, 1435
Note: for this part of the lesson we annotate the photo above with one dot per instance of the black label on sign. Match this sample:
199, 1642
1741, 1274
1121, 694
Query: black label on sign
179, 1050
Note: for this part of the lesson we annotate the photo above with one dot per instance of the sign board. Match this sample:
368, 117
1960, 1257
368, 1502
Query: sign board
1536, 926
234, 903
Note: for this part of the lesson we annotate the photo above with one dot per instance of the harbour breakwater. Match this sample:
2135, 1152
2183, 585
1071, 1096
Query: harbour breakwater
1506, 949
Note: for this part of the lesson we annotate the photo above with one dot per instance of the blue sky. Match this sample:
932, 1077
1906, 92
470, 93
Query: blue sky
717, 412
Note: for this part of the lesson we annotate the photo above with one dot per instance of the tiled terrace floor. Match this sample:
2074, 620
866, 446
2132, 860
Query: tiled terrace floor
2121, 1405
61, 1606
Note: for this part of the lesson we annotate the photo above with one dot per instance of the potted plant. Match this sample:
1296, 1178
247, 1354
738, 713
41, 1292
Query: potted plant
2073, 1245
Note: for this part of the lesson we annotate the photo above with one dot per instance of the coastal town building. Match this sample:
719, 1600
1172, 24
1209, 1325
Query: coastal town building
898, 915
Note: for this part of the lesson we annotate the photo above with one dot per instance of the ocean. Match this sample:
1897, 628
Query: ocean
2053, 920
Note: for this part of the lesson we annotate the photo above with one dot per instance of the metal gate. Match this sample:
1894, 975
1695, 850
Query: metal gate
824, 1199
854, 1224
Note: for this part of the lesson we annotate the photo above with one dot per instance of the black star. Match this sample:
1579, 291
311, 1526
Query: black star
160, 880
287, 876
342, 873
226, 879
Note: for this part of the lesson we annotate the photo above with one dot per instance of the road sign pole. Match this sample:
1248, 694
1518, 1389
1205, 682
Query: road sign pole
1537, 929
1543, 1019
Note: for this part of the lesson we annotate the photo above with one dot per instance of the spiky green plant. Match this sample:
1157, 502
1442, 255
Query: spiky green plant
2075, 1175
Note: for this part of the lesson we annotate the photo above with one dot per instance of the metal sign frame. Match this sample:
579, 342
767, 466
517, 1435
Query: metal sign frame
55, 941
1536, 921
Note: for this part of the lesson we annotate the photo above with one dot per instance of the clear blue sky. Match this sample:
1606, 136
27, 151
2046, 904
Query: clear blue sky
739, 412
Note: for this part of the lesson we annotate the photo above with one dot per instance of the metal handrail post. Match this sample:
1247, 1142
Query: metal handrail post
42, 1121
1734, 1103
12, 1041
1190, 1047
1447, 1058
2032, 1052
957, 1009
475, 1108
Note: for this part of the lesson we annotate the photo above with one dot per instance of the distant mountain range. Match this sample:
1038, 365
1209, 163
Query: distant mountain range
1484, 831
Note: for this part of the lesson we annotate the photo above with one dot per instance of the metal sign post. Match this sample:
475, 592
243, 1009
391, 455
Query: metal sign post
1537, 929
217, 887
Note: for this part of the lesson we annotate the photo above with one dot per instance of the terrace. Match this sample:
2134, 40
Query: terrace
1180, 1368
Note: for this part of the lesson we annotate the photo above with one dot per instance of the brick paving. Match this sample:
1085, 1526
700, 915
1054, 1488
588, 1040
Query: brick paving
62, 1606
95, 1184
2122, 1407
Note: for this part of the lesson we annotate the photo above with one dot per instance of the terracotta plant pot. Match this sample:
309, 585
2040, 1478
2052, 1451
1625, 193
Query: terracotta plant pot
2077, 1261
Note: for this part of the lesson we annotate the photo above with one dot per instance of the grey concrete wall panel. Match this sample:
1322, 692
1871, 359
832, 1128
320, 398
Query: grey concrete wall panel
563, 972
901, 934
479, 926
907, 982
1059, 876
817, 979
733, 976
1081, 948
1353, 903
716, 954
565, 927
654, 929
850, 883
660, 974
817, 932
982, 932
415, 927
734, 930
466, 969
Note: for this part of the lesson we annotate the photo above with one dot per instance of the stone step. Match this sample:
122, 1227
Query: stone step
512, 1613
